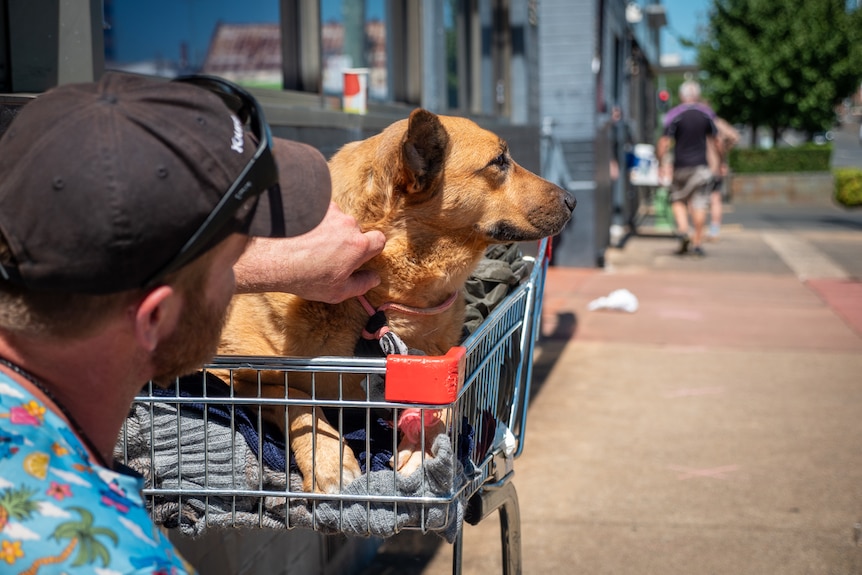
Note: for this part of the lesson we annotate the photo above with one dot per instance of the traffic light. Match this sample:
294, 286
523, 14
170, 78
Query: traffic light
663, 102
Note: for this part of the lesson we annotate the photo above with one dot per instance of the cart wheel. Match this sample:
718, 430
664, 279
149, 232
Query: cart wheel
501, 497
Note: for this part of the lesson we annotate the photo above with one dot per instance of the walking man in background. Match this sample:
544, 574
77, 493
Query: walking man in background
728, 136
691, 130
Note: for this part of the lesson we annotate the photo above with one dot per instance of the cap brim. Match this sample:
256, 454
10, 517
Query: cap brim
301, 198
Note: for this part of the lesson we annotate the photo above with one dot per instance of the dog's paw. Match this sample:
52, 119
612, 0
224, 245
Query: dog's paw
331, 475
409, 456
406, 461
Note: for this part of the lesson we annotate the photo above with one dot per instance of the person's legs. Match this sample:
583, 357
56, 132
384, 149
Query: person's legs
700, 202
680, 216
715, 208
679, 197
698, 218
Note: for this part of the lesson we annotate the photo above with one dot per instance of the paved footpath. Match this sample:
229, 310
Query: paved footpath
716, 430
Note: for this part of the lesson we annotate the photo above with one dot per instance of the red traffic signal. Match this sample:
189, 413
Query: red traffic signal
663, 102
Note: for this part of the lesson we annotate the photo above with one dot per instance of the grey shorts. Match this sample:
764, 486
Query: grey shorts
692, 186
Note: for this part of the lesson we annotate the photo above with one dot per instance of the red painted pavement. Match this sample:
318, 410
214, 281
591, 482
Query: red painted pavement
706, 309
844, 297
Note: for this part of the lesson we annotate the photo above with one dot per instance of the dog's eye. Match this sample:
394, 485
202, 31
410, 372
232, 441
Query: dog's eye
500, 161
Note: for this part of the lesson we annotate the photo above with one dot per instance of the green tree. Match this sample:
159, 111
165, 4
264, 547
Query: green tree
855, 32
780, 63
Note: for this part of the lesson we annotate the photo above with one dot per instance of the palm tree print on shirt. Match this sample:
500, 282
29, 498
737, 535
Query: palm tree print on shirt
84, 536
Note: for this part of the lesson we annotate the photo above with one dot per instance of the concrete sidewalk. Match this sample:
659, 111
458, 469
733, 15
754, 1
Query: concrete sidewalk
715, 430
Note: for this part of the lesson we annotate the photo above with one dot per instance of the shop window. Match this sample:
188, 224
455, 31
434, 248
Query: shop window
354, 35
478, 56
240, 41
305, 46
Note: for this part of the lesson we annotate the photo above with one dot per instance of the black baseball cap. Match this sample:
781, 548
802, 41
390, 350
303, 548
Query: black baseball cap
107, 186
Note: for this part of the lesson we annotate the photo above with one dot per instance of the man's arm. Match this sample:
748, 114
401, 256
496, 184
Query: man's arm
321, 265
714, 154
728, 135
662, 148
665, 170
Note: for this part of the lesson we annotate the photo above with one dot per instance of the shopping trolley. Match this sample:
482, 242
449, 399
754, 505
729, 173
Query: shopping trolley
210, 459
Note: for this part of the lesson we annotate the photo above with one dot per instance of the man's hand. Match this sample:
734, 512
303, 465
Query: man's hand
321, 265
662, 148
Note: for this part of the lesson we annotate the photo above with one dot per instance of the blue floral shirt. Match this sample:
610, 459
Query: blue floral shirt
62, 513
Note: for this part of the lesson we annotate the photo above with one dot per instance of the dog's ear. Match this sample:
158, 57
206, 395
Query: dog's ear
423, 151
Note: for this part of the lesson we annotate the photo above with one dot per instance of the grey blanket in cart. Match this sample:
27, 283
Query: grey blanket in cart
224, 461
219, 459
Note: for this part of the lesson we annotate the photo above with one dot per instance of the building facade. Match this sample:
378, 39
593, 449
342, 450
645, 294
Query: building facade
542, 73
595, 54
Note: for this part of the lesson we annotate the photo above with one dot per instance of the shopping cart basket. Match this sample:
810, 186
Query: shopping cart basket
210, 459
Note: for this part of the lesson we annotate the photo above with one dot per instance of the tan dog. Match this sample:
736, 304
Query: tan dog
442, 190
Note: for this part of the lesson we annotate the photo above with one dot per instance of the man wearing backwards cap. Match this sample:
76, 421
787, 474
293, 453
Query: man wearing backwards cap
124, 205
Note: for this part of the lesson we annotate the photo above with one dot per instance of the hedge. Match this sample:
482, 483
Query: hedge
809, 158
848, 186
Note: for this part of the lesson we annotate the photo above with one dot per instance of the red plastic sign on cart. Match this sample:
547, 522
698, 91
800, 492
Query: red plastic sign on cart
433, 380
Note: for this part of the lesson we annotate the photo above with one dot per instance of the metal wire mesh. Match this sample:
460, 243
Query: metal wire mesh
211, 459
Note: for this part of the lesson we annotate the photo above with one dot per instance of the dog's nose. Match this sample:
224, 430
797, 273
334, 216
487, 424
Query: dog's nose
571, 202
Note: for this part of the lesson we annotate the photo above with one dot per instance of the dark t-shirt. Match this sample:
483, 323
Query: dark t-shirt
689, 125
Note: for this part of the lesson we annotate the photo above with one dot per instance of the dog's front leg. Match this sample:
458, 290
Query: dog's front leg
327, 463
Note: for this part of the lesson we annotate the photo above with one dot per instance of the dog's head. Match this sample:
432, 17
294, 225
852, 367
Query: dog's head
446, 176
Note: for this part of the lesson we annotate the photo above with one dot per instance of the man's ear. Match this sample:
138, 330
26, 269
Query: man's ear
156, 316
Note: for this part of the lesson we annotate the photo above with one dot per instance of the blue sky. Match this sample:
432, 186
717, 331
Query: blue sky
683, 18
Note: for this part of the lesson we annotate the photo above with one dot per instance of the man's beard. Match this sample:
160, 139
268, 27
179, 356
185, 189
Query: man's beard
193, 342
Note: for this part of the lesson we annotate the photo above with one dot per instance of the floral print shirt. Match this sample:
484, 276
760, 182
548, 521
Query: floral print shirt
60, 512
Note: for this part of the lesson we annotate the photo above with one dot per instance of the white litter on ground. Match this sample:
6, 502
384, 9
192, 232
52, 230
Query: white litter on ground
621, 299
